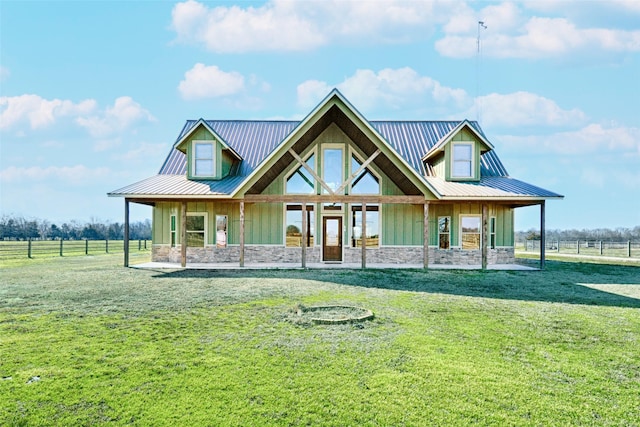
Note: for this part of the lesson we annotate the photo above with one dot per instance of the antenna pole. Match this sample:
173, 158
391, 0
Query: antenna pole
478, 61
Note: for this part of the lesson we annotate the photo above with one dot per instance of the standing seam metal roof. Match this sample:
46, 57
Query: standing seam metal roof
254, 140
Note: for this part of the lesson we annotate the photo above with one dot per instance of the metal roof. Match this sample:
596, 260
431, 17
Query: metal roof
255, 140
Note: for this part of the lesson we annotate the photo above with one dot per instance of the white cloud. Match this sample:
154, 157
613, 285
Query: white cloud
522, 109
391, 88
39, 112
512, 35
70, 174
289, 25
210, 82
593, 138
124, 113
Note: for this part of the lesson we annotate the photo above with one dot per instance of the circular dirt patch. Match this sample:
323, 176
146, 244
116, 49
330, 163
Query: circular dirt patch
334, 314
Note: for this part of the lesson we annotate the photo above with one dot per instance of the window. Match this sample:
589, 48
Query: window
372, 226
444, 232
332, 168
196, 229
470, 232
172, 231
221, 231
301, 181
492, 232
462, 161
293, 227
203, 159
365, 182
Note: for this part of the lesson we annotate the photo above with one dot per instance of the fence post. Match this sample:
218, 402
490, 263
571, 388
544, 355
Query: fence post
578, 246
106, 245
600, 247
629, 248
558, 246
86, 246
145, 244
139, 245
61, 244
29, 249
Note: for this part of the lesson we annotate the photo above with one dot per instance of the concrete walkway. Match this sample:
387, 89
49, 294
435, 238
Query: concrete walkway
344, 266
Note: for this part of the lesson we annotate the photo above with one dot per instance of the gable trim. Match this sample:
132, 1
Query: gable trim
335, 98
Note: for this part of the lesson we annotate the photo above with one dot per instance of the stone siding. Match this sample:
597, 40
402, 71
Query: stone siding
381, 255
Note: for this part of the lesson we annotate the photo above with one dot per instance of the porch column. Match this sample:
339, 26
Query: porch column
183, 235
304, 235
543, 240
126, 233
484, 238
425, 244
241, 233
364, 235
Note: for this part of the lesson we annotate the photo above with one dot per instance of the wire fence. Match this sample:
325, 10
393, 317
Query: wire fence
51, 248
626, 249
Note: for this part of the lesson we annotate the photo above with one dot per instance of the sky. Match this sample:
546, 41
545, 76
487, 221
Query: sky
93, 94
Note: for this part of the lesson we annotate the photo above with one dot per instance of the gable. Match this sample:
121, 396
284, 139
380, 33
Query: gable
336, 112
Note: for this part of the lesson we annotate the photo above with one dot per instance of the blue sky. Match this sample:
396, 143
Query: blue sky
94, 94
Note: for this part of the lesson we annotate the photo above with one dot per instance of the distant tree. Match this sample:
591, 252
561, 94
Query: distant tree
292, 230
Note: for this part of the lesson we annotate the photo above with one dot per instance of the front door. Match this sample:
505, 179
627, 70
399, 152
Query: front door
332, 238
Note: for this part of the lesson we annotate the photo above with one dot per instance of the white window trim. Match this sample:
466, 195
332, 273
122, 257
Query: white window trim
352, 152
294, 168
439, 232
193, 157
173, 234
460, 230
351, 236
310, 208
206, 226
453, 159
493, 233
333, 146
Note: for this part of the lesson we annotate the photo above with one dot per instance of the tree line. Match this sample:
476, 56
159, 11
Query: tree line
20, 228
620, 234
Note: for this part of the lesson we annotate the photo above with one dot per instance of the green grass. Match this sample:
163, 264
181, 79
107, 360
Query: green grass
140, 347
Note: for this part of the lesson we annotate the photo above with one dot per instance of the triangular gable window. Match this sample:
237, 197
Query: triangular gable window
301, 181
365, 182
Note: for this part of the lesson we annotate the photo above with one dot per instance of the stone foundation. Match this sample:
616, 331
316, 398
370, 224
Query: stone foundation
381, 255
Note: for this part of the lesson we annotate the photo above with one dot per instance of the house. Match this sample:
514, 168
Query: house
331, 188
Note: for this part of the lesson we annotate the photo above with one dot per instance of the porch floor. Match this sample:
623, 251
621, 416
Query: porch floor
344, 266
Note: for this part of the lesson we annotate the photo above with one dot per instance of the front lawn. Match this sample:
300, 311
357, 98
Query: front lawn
84, 341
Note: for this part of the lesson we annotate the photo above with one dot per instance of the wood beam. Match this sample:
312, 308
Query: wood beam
242, 233
311, 171
304, 235
484, 239
425, 249
183, 235
340, 189
326, 198
364, 235
126, 232
543, 232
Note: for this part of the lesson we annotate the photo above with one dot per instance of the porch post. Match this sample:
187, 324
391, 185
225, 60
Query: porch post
304, 235
241, 233
425, 244
543, 240
364, 235
126, 232
183, 235
484, 239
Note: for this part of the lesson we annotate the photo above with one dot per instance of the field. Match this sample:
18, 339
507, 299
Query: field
84, 341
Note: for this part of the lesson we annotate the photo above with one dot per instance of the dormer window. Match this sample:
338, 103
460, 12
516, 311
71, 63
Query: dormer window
462, 160
203, 159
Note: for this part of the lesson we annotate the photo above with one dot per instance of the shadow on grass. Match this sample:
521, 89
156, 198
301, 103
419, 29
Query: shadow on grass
560, 282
